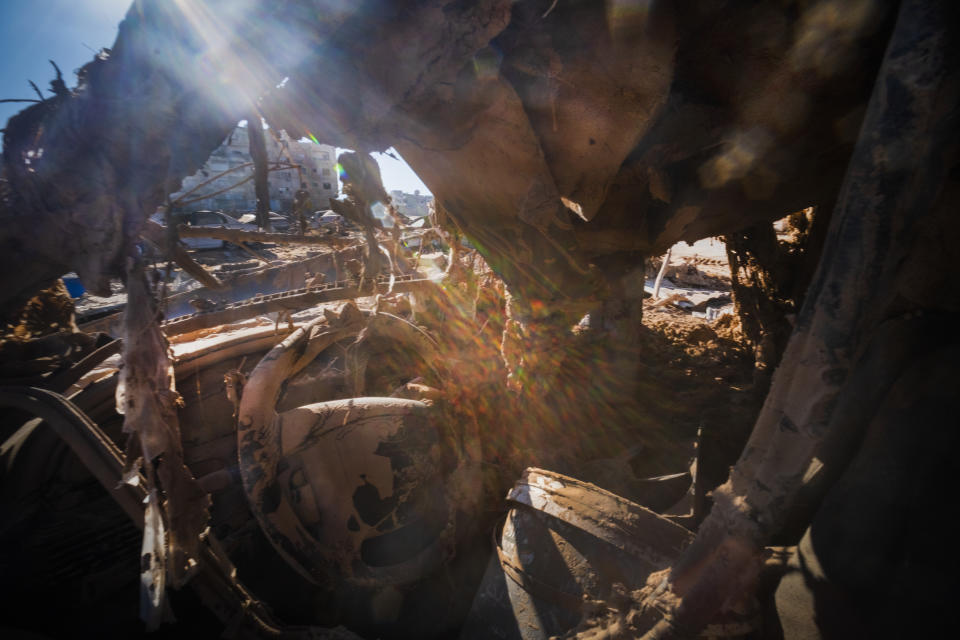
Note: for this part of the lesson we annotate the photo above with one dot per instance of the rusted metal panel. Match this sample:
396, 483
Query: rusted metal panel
293, 300
565, 543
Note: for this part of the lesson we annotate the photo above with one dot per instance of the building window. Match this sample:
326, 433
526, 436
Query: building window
314, 169
326, 172
326, 185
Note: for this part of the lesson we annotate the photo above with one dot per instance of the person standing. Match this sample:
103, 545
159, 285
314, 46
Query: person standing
302, 206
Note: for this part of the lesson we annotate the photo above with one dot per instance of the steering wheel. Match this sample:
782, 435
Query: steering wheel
351, 489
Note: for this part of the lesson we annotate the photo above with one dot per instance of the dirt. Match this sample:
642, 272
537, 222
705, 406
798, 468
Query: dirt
715, 345
698, 270
646, 404
701, 263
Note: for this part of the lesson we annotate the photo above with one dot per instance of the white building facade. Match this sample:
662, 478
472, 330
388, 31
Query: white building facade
315, 168
411, 204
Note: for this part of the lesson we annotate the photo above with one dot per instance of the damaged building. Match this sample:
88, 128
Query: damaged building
296, 162
413, 204
519, 429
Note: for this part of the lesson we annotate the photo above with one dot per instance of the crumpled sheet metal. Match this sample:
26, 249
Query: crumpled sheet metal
284, 466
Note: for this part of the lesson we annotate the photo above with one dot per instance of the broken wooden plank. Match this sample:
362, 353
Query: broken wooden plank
154, 233
258, 152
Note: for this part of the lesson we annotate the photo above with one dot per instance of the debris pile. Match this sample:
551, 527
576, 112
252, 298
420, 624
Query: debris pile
311, 433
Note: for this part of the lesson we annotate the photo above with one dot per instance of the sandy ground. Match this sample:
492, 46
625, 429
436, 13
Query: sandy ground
706, 248
697, 276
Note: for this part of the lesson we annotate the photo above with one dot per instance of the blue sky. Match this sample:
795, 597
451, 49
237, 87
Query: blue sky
69, 32
34, 31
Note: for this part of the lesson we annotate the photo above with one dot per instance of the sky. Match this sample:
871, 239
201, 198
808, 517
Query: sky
69, 32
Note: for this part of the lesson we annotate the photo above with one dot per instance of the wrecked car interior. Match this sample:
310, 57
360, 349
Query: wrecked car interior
673, 354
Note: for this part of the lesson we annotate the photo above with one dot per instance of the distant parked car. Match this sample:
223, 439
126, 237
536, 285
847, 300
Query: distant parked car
413, 242
278, 223
326, 220
205, 219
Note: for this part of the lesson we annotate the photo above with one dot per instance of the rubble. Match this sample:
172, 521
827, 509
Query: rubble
320, 445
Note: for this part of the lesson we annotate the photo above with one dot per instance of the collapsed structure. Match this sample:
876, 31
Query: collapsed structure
316, 171
567, 142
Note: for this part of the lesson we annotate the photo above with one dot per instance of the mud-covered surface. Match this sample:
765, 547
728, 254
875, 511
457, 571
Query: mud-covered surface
682, 382
570, 144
